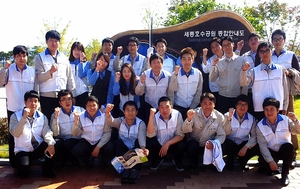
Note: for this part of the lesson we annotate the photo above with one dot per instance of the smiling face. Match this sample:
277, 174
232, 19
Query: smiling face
241, 108
21, 60
107, 47
278, 42
92, 108
265, 55
165, 109
32, 103
253, 43
52, 44
66, 102
216, 48
156, 66
76, 53
130, 112
126, 73
187, 61
207, 106
102, 63
271, 113
227, 47
132, 47
161, 48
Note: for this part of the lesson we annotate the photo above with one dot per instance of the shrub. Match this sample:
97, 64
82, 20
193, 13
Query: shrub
3, 131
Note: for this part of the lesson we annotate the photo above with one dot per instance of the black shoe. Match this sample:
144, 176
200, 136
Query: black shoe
89, 164
125, 176
285, 180
194, 166
16, 171
63, 164
230, 167
134, 176
178, 165
156, 163
49, 173
294, 164
75, 163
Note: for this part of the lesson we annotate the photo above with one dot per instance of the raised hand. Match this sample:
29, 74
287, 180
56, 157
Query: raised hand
246, 66
176, 71
190, 114
56, 111
119, 50
118, 75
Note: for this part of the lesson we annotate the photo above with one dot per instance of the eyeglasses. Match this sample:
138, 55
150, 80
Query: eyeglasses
278, 39
66, 99
267, 51
242, 104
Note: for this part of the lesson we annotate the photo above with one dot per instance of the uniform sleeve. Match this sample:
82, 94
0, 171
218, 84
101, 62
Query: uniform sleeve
77, 128
196, 100
173, 83
92, 76
3, 76
227, 125
16, 127
42, 74
285, 92
214, 73
246, 78
110, 95
47, 133
70, 80
253, 139
54, 125
142, 134
118, 62
294, 127
179, 131
116, 89
106, 135
140, 88
113, 122
263, 146
145, 65
221, 135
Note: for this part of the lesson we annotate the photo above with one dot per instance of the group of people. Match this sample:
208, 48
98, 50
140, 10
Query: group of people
153, 103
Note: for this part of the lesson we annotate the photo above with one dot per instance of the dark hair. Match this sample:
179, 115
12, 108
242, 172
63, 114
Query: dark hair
160, 40
210, 96
31, 94
156, 56
187, 50
132, 83
52, 34
270, 101
130, 103
20, 49
278, 32
215, 39
242, 98
253, 34
75, 45
64, 92
228, 38
105, 56
260, 46
133, 39
164, 99
107, 40
91, 98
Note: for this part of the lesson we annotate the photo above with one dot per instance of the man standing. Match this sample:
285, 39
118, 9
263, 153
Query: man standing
227, 70
53, 72
161, 48
137, 61
17, 78
186, 83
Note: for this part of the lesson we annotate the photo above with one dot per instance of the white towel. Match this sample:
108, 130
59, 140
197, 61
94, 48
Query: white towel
214, 156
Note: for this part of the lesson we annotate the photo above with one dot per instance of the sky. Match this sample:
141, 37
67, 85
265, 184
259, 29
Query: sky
22, 21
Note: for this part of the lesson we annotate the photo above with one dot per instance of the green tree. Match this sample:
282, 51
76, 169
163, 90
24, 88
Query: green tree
93, 46
65, 45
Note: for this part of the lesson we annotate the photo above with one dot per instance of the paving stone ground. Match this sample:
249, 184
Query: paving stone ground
165, 178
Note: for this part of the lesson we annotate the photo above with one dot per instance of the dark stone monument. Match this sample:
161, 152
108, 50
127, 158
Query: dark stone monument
196, 33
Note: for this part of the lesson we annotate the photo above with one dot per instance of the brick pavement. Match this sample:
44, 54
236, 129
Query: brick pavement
165, 178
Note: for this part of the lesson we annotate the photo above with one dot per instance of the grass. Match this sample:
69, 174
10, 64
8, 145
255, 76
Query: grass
4, 148
4, 151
